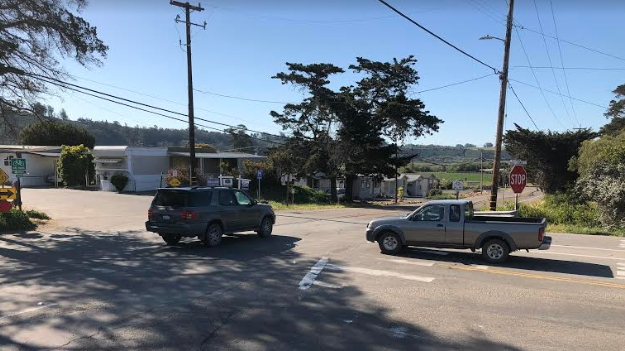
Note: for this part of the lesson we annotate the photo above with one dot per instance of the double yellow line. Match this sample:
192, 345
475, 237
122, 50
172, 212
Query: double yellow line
537, 276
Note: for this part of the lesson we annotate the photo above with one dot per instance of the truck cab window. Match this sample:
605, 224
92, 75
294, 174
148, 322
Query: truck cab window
432, 213
454, 213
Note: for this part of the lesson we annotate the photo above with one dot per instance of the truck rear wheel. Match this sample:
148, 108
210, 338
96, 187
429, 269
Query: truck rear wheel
390, 243
495, 251
172, 239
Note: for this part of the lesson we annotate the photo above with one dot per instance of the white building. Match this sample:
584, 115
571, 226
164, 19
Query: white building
41, 163
147, 167
415, 185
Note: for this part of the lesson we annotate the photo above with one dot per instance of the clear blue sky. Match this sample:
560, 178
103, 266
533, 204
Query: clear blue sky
246, 42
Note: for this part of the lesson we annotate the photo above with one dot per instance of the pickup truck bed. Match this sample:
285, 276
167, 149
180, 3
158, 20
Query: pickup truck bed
451, 224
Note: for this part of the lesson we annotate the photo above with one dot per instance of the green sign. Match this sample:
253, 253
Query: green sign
18, 165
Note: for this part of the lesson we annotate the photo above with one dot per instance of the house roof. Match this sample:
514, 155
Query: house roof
45, 151
242, 155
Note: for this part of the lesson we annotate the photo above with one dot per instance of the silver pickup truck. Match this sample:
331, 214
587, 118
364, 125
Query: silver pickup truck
452, 224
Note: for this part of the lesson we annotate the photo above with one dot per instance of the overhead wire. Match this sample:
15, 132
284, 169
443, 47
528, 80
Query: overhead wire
438, 37
553, 72
522, 105
555, 93
566, 79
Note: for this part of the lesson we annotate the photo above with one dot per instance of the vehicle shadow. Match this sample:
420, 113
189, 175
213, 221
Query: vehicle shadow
536, 264
127, 290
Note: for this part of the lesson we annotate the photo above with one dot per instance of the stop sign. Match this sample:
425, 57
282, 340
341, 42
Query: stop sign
5, 206
518, 179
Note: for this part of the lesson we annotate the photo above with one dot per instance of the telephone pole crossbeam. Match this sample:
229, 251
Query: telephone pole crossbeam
502, 109
188, 8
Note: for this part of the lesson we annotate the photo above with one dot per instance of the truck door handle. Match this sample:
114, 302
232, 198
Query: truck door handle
439, 225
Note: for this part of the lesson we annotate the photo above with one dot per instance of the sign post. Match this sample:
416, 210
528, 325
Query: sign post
457, 186
18, 167
518, 180
259, 176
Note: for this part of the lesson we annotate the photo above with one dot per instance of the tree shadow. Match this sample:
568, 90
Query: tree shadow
129, 291
518, 262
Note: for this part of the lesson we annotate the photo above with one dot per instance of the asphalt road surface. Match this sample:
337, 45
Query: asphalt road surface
95, 280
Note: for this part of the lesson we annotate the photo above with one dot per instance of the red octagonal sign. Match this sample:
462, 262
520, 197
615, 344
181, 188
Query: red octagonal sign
5, 206
518, 179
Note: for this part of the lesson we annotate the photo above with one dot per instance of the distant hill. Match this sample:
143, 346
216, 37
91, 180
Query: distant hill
451, 154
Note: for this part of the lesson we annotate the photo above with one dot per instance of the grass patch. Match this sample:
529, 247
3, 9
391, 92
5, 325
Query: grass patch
466, 176
37, 215
281, 206
15, 220
576, 229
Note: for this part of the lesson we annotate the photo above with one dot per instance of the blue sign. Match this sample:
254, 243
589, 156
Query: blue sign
212, 182
259, 174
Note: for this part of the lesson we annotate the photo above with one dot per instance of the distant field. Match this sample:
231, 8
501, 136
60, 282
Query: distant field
468, 176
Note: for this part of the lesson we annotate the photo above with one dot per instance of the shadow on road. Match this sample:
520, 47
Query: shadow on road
518, 262
121, 291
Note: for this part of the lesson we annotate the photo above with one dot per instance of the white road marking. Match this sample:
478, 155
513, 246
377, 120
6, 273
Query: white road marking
415, 263
327, 285
33, 309
620, 273
587, 248
379, 273
577, 255
309, 278
479, 266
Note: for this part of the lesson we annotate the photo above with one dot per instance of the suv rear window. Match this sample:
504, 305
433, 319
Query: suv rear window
180, 198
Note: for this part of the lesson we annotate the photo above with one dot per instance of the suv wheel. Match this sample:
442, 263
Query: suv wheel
266, 227
213, 235
172, 239
390, 243
495, 251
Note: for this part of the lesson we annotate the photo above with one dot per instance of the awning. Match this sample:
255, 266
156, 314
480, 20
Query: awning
108, 160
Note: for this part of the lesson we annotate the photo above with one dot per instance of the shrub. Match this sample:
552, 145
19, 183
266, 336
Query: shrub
36, 214
119, 181
15, 220
435, 192
446, 184
183, 176
562, 209
307, 195
75, 162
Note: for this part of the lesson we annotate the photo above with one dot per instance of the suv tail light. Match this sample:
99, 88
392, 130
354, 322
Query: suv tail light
541, 233
189, 215
150, 213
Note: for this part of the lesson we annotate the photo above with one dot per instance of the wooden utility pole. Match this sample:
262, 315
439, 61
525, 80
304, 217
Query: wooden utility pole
481, 171
502, 108
188, 8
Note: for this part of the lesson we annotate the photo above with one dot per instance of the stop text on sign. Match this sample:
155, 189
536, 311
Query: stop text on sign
518, 179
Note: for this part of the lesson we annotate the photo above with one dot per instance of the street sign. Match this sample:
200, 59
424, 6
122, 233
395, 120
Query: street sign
5, 206
18, 165
518, 179
8, 193
517, 163
458, 185
3, 177
259, 174
174, 182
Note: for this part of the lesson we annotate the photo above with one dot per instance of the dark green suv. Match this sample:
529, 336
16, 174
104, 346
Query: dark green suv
207, 213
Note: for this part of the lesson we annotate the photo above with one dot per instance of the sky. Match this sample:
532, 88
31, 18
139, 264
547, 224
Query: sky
246, 42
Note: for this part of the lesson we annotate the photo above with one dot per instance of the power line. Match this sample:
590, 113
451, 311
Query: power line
522, 105
566, 80
536, 77
571, 68
555, 93
238, 97
438, 37
553, 72
457, 83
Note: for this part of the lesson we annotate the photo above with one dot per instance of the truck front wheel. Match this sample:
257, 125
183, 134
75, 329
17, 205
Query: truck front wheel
390, 243
495, 251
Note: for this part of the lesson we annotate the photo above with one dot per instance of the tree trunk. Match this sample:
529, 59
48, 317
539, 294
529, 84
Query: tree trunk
349, 188
333, 194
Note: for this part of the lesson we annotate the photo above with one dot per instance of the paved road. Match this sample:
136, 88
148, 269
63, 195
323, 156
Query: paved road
96, 280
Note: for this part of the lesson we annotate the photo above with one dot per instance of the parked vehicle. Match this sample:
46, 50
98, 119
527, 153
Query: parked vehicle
207, 213
340, 192
452, 224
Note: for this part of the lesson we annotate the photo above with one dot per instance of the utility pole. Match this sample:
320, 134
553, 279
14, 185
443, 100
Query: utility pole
502, 108
188, 8
481, 171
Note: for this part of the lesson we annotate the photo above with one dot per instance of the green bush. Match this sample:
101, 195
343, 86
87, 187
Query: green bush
307, 195
15, 220
446, 184
36, 214
75, 162
119, 181
563, 209
435, 192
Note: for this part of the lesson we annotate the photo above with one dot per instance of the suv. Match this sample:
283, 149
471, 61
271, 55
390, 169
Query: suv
207, 213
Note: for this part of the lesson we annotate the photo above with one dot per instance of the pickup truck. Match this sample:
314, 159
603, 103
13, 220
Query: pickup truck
452, 224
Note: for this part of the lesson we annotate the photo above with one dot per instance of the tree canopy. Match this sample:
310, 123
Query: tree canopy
616, 111
34, 35
56, 133
547, 155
